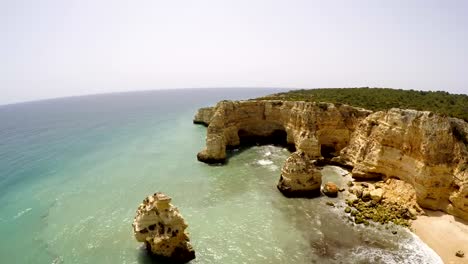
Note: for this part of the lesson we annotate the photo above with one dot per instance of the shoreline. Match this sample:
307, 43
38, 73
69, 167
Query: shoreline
444, 233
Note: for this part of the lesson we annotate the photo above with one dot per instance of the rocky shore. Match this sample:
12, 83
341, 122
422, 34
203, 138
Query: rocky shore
426, 151
382, 202
401, 161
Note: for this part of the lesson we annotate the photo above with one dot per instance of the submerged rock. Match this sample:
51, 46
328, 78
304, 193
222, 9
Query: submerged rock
330, 189
162, 228
300, 177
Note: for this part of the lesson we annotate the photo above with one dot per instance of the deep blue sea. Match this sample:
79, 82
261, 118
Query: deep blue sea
74, 170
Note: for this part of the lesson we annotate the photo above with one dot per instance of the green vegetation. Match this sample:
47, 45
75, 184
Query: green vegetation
376, 99
362, 212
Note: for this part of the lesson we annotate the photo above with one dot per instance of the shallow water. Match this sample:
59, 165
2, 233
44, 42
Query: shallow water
73, 171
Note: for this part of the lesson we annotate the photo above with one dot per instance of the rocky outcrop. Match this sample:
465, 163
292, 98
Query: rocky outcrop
425, 150
376, 195
300, 177
203, 116
314, 128
400, 193
383, 202
330, 189
162, 228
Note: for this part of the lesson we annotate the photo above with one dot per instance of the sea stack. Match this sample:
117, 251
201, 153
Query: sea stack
163, 229
300, 177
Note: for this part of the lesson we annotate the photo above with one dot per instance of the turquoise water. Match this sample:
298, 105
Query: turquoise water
73, 171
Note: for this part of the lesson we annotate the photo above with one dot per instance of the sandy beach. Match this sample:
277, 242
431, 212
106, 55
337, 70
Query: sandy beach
445, 234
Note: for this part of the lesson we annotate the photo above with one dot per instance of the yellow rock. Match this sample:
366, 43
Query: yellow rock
420, 148
162, 228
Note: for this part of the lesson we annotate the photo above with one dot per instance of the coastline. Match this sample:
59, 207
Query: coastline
444, 233
375, 152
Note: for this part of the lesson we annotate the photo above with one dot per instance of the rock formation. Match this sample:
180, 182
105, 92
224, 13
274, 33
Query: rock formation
390, 201
330, 189
162, 228
203, 116
300, 177
420, 148
425, 150
314, 128
401, 193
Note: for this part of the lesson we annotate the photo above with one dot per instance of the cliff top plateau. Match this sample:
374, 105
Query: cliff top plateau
378, 99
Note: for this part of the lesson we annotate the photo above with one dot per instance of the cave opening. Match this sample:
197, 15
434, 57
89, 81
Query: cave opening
327, 151
277, 137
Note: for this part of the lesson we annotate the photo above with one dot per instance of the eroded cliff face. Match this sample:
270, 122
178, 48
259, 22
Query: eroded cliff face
203, 116
310, 127
425, 150
162, 228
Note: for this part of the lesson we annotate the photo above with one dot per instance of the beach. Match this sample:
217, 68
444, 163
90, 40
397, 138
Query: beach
445, 234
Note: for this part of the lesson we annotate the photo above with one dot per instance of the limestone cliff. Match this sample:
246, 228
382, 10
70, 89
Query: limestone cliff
309, 127
423, 149
203, 116
162, 228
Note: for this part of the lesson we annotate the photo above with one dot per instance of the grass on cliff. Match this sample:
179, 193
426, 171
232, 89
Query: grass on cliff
377, 99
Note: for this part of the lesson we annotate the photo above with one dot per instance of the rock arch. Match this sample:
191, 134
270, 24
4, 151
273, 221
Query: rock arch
305, 124
419, 147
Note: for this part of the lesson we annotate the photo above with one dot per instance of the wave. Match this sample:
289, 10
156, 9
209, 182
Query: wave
19, 214
264, 162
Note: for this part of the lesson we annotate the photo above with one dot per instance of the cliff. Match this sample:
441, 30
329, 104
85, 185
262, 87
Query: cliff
310, 127
203, 116
425, 150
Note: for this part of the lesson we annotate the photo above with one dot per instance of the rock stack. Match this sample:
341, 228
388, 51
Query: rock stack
300, 177
162, 228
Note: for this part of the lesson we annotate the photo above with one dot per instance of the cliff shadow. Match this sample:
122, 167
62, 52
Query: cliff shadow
247, 139
145, 257
439, 214
328, 151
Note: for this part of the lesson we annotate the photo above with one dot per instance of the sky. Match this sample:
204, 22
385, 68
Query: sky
56, 48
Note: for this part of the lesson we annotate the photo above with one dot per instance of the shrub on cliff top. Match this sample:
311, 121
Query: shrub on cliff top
377, 99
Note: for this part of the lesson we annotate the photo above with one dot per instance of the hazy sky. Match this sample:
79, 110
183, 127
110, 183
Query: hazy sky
64, 47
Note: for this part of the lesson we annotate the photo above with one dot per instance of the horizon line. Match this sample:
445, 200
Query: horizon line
200, 88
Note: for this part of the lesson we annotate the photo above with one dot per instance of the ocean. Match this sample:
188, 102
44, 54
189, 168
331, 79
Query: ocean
74, 170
